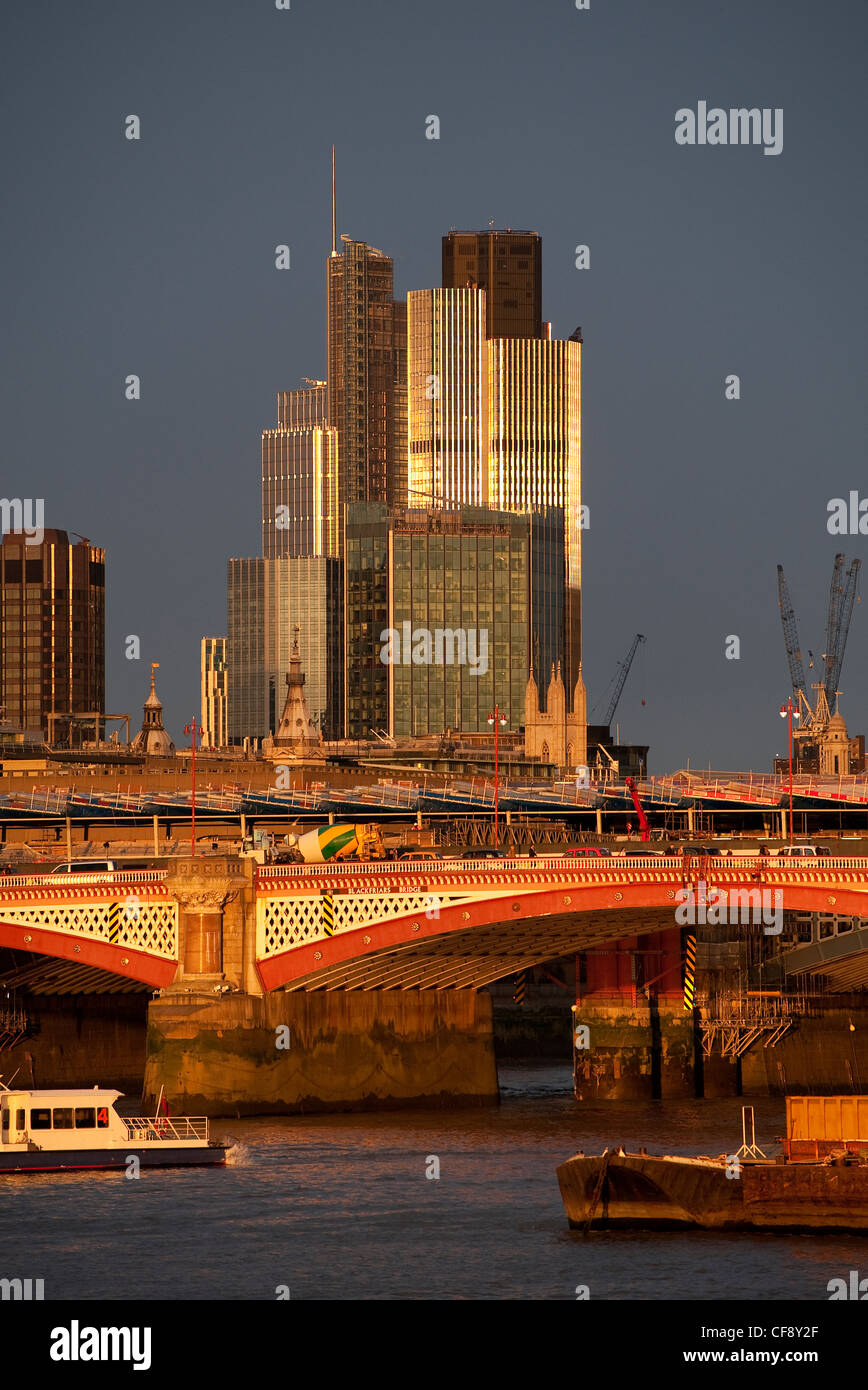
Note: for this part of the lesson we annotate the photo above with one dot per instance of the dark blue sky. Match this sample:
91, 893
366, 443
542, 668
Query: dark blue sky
157, 258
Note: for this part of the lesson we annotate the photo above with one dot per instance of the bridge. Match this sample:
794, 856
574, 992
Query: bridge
446, 924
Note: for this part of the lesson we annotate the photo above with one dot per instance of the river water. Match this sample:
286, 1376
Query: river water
340, 1207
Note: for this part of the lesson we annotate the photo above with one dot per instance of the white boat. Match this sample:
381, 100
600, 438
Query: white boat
55, 1131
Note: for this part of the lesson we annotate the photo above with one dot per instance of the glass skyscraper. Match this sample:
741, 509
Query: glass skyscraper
52, 634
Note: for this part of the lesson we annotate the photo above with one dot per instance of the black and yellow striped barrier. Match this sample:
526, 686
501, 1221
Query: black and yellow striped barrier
114, 921
520, 987
328, 914
689, 972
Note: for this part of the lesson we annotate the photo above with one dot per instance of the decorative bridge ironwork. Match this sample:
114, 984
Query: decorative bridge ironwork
435, 924
464, 923
125, 923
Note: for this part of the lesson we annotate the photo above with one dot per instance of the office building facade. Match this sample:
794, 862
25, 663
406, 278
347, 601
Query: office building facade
247, 685
508, 266
303, 599
300, 479
213, 666
52, 636
447, 393
366, 373
440, 612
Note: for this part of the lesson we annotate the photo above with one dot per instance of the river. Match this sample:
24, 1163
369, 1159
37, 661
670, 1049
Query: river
340, 1207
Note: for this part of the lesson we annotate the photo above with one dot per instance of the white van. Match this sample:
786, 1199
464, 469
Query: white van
802, 851
84, 866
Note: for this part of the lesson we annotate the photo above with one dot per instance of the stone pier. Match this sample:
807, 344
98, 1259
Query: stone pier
219, 1046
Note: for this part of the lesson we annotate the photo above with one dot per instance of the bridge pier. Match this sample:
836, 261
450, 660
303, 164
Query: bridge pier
219, 1045
292, 1053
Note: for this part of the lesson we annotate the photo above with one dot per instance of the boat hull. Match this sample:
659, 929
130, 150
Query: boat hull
634, 1191
153, 1156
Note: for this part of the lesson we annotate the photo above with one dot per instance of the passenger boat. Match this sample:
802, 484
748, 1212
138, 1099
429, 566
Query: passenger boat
55, 1131
818, 1183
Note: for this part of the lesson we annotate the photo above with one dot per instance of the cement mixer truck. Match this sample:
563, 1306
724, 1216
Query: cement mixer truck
329, 842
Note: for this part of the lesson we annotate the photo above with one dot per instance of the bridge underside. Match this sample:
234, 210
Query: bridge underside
476, 957
842, 961
33, 974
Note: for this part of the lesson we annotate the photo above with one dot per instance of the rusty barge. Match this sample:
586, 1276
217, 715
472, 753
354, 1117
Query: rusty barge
818, 1183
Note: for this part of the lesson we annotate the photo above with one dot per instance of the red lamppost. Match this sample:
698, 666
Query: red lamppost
788, 713
191, 729
498, 719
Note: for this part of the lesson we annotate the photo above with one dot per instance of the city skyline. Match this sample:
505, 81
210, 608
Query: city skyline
693, 498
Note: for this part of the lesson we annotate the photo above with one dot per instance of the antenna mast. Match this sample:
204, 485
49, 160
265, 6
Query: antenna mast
334, 219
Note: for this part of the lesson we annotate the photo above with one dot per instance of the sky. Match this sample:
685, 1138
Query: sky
156, 257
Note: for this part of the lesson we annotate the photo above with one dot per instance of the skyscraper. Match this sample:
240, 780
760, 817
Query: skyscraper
300, 478
535, 453
365, 373
52, 633
303, 594
508, 266
447, 394
247, 686
215, 728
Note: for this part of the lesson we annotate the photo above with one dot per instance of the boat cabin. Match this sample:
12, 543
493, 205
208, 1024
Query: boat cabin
61, 1119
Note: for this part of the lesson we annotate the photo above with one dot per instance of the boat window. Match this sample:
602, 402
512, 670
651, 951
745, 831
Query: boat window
5, 1119
102, 1118
85, 1119
63, 1119
40, 1119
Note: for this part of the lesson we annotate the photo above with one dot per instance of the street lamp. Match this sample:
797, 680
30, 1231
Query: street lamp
788, 713
191, 729
498, 719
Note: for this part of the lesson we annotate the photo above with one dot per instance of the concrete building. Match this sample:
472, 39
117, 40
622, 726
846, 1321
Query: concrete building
214, 721
52, 636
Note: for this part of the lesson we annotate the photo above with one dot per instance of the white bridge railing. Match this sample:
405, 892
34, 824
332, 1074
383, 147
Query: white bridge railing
163, 1128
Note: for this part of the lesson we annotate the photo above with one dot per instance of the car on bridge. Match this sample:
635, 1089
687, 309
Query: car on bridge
484, 852
84, 866
803, 851
588, 852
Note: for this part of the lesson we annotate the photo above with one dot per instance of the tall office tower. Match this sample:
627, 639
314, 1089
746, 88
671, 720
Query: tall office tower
304, 594
52, 634
364, 372
247, 686
464, 594
535, 453
366, 615
300, 478
508, 266
447, 390
215, 729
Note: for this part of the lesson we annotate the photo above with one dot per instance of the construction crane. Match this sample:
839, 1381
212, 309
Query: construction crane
842, 596
620, 678
841, 600
791, 637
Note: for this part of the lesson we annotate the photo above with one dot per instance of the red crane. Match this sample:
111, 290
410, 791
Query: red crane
643, 819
